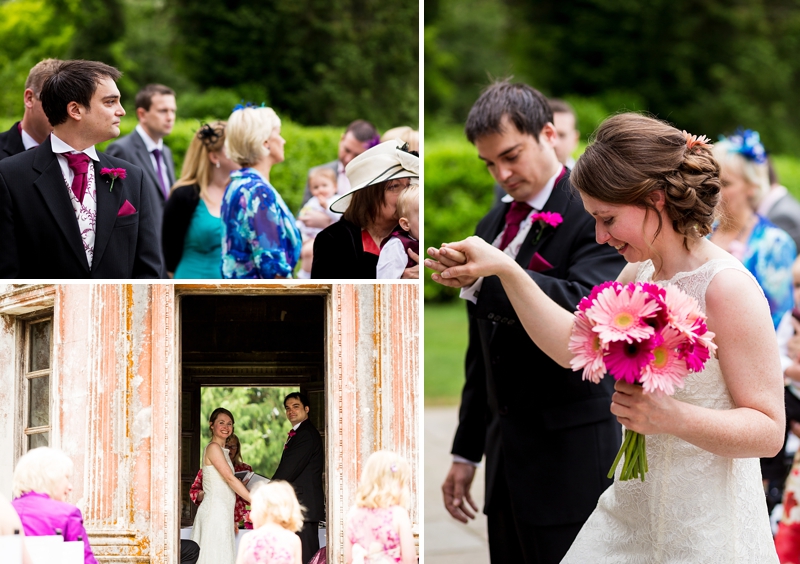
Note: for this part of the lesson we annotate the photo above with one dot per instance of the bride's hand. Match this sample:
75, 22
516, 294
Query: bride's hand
443, 259
482, 259
647, 414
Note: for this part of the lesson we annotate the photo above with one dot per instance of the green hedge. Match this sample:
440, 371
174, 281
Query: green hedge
459, 191
305, 147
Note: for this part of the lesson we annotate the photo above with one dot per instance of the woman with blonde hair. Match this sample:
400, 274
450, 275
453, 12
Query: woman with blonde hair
192, 230
276, 516
260, 238
41, 487
378, 528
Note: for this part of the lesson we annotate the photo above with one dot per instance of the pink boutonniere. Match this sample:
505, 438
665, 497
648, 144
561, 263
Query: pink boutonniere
552, 219
292, 433
114, 173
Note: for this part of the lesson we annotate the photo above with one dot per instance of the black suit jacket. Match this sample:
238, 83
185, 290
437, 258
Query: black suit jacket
39, 235
549, 433
11, 142
301, 465
339, 254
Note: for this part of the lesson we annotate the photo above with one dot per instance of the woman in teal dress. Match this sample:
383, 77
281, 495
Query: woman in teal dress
192, 231
260, 238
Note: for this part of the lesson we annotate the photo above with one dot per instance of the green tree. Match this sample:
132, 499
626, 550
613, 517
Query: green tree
261, 424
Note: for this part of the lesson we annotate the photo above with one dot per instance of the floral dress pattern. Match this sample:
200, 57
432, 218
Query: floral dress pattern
260, 238
267, 545
241, 505
374, 535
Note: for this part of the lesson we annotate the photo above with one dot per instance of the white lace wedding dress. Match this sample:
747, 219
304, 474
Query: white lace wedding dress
213, 523
694, 506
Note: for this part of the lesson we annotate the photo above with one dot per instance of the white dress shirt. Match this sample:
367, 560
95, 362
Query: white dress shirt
150, 144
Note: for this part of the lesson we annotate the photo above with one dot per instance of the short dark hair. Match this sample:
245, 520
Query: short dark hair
73, 81
299, 395
558, 106
526, 107
365, 204
363, 130
144, 98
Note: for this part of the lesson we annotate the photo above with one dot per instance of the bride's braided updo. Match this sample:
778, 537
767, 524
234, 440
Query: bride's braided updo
631, 156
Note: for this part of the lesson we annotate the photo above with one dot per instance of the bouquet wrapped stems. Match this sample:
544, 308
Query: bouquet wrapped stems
635, 464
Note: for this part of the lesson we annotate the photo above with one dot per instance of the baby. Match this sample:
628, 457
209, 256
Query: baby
322, 185
394, 258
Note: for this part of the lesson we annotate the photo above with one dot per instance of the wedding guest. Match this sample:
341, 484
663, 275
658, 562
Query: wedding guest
234, 453
322, 183
404, 133
259, 233
11, 525
276, 516
766, 250
41, 487
653, 192
522, 424
565, 120
192, 229
145, 147
377, 527
190, 551
359, 136
34, 127
60, 217
301, 465
780, 207
350, 247
394, 257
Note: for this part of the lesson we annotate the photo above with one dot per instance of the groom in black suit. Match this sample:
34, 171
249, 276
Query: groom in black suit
61, 216
549, 438
301, 465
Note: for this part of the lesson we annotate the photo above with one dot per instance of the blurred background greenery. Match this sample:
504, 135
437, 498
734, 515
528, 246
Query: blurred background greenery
706, 67
319, 63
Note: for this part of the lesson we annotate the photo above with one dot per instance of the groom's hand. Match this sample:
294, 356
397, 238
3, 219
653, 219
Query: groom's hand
443, 259
457, 499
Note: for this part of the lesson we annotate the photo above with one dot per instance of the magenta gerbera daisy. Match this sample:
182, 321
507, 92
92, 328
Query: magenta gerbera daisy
626, 360
623, 316
668, 369
588, 350
589, 300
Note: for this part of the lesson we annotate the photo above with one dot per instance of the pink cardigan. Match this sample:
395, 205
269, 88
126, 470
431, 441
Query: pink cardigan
41, 516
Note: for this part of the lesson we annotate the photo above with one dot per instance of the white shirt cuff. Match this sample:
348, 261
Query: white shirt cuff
471, 292
463, 460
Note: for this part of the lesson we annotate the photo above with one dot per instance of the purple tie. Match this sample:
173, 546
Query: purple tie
79, 164
514, 216
157, 155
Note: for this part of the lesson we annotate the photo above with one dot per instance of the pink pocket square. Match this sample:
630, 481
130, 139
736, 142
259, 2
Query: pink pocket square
126, 209
539, 264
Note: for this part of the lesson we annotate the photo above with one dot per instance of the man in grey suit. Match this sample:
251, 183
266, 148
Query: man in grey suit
144, 147
359, 136
780, 207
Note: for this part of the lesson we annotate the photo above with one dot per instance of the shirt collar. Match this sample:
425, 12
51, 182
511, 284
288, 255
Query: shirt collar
539, 200
148, 142
27, 141
60, 147
298, 425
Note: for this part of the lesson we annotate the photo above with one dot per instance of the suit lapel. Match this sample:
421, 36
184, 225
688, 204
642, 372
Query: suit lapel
53, 189
495, 223
109, 200
557, 203
144, 160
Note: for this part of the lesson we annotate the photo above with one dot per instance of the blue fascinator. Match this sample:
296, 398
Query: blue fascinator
747, 143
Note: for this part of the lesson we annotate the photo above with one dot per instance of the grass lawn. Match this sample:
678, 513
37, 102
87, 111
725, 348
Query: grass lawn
445, 347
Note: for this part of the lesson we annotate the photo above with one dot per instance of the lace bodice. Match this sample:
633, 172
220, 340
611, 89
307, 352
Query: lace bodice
693, 506
213, 527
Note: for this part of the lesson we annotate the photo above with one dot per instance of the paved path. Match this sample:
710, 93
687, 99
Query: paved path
445, 539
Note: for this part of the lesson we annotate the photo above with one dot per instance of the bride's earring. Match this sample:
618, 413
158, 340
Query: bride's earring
217, 164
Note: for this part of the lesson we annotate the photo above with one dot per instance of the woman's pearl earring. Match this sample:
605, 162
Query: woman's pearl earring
217, 164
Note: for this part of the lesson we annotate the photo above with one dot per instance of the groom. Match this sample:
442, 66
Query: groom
549, 438
301, 465
61, 215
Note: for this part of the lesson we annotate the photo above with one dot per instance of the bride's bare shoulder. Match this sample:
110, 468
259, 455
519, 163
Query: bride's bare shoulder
629, 273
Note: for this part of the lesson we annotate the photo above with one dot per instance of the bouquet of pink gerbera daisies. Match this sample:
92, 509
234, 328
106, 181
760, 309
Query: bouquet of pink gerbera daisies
641, 333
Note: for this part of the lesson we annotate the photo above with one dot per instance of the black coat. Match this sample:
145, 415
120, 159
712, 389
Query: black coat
178, 212
39, 235
301, 465
339, 254
11, 142
549, 432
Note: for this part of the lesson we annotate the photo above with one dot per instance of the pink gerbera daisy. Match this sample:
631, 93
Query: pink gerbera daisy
625, 361
623, 316
668, 369
589, 300
682, 311
588, 350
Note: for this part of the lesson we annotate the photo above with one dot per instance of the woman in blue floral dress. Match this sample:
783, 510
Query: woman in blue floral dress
260, 238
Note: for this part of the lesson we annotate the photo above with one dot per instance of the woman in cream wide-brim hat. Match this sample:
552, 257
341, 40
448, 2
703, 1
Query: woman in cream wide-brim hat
349, 248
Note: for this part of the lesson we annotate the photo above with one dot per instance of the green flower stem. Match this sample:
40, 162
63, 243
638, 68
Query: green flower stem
634, 447
619, 454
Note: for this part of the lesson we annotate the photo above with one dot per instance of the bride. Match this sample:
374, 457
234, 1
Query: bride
213, 529
652, 191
